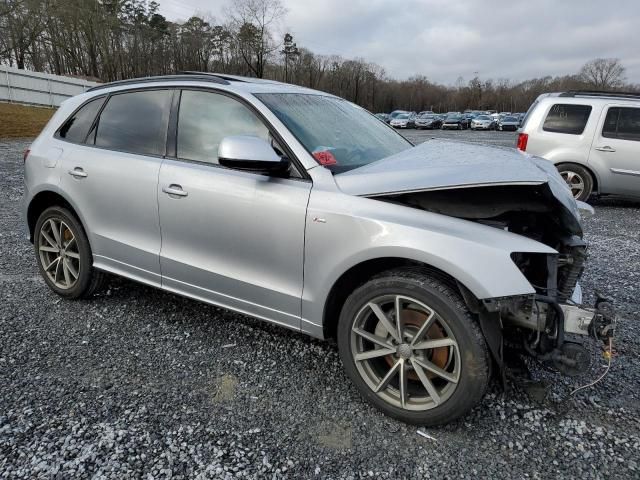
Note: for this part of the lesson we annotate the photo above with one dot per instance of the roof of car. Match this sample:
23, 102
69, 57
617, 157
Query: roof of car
592, 95
228, 82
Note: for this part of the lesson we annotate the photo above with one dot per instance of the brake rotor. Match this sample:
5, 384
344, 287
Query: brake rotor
437, 356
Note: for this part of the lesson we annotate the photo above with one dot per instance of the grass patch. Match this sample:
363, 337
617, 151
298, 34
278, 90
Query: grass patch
22, 121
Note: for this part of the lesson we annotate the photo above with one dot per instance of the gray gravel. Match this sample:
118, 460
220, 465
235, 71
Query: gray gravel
144, 384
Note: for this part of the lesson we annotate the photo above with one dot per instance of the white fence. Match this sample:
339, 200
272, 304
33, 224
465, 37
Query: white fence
24, 86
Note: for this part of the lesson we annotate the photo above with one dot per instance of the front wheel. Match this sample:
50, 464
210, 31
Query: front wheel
64, 255
412, 348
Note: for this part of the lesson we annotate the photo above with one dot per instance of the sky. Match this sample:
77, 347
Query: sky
448, 39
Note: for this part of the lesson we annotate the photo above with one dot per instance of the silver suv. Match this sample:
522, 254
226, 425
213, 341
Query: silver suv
251, 195
592, 137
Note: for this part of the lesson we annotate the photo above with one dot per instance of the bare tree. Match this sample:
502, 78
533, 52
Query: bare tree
254, 21
603, 73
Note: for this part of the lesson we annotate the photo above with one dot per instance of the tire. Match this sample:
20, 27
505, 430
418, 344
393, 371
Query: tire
464, 363
72, 275
578, 179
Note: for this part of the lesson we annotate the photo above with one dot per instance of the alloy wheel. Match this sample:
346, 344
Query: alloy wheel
59, 254
574, 181
405, 352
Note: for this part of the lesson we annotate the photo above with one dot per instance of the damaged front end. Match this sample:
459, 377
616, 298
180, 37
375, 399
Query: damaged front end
548, 324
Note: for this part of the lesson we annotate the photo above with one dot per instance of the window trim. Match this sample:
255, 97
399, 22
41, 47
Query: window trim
571, 105
172, 143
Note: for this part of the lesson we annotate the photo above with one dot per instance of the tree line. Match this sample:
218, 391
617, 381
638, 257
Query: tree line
110, 40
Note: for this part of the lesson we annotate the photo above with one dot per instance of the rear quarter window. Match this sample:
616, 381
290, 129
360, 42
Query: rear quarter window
567, 118
75, 129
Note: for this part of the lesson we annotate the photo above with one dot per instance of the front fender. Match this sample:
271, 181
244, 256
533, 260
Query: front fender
361, 229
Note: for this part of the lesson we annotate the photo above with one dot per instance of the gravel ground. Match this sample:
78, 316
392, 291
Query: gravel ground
144, 384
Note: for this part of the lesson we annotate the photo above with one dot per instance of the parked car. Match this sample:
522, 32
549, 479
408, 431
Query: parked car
466, 119
454, 122
483, 122
403, 120
428, 121
509, 122
383, 117
592, 137
302, 209
395, 113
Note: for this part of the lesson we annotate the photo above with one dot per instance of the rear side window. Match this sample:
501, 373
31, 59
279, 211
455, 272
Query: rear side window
622, 123
76, 128
134, 122
567, 118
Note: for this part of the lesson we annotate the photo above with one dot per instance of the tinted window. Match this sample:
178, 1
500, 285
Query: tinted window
76, 128
135, 122
622, 123
205, 118
565, 118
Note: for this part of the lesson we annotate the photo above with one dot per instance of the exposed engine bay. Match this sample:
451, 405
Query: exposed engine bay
538, 324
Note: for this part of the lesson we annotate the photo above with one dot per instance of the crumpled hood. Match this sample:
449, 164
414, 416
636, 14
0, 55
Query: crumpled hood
442, 164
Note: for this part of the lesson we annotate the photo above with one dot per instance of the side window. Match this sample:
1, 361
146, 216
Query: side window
205, 118
629, 124
134, 122
75, 129
610, 127
567, 118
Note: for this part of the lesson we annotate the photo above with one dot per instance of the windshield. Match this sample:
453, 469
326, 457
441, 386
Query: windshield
402, 116
427, 117
510, 119
454, 117
482, 117
340, 135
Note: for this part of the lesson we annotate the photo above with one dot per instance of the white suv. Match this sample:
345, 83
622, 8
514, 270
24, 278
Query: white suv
593, 138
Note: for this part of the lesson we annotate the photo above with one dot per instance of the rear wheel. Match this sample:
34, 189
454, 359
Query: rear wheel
578, 179
64, 255
413, 350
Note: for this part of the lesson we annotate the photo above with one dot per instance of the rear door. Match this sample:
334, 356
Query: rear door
616, 150
233, 238
112, 178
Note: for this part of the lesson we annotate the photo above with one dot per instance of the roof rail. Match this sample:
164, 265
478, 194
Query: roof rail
224, 76
599, 93
163, 78
233, 78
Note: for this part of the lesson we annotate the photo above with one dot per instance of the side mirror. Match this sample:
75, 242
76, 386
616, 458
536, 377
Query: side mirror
254, 154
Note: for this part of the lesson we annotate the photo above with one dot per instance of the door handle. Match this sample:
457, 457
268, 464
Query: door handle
606, 148
174, 189
78, 173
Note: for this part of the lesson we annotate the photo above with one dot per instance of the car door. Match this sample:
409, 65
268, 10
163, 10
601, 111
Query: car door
112, 178
616, 150
233, 238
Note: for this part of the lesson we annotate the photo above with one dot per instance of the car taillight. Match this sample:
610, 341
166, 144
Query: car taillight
523, 138
26, 154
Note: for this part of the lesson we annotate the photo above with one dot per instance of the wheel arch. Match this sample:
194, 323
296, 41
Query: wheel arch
362, 272
43, 200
